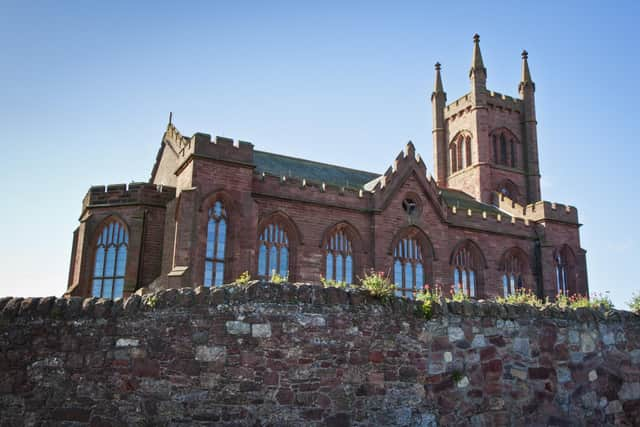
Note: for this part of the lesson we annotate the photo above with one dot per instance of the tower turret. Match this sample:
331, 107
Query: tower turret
438, 104
527, 89
477, 73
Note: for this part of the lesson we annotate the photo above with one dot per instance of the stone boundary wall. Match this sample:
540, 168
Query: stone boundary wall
267, 354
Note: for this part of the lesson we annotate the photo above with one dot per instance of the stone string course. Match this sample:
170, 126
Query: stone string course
268, 354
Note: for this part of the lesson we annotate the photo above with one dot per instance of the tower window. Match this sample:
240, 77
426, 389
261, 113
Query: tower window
503, 150
339, 258
561, 274
468, 151
110, 261
513, 154
454, 158
408, 267
409, 206
273, 251
216, 243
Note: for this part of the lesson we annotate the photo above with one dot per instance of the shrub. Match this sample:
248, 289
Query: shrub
634, 304
332, 283
243, 279
428, 296
277, 278
378, 286
522, 296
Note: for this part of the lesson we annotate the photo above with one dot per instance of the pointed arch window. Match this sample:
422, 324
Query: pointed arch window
273, 251
464, 272
454, 158
339, 258
513, 154
495, 149
461, 160
110, 261
512, 276
408, 267
468, 151
561, 274
503, 150
214, 261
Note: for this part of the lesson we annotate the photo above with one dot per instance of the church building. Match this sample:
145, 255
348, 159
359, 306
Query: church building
215, 208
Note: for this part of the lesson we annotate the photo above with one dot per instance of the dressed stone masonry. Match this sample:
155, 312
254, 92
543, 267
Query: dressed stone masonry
215, 208
302, 355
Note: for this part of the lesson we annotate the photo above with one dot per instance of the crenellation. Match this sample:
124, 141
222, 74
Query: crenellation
134, 193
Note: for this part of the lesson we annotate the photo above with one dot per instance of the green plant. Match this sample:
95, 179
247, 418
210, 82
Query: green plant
581, 301
522, 296
332, 283
427, 297
634, 304
244, 278
152, 301
277, 278
378, 285
601, 301
456, 376
458, 294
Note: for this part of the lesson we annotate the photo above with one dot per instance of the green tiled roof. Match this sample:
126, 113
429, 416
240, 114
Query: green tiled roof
462, 200
291, 167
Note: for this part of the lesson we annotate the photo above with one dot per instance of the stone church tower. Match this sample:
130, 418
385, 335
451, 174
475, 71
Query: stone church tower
486, 142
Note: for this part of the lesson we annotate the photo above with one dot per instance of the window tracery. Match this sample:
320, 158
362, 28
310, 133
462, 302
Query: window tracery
408, 267
339, 257
110, 261
214, 263
273, 251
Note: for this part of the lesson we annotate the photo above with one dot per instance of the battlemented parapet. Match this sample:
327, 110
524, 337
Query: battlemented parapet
135, 193
539, 211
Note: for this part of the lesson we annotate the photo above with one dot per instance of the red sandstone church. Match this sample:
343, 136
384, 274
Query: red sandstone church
216, 208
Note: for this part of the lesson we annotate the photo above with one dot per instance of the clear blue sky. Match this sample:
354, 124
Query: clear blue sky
86, 88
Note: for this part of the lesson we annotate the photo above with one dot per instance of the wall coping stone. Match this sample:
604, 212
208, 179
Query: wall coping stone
69, 308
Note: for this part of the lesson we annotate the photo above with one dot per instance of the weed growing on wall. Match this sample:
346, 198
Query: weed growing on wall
522, 296
427, 297
378, 285
333, 283
277, 278
243, 279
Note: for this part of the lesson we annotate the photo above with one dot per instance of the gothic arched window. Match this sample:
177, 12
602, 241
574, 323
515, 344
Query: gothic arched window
465, 272
513, 154
495, 149
562, 286
408, 267
503, 150
454, 158
460, 147
339, 258
512, 275
110, 261
273, 251
468, 151
216, 243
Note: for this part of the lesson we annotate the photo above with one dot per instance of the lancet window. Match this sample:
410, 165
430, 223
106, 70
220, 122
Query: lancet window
512, 276
464, 272
214, 262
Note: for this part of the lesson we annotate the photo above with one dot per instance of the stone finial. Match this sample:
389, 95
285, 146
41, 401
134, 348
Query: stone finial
438, 66
525, 54
525, 79
477, 65
438, 87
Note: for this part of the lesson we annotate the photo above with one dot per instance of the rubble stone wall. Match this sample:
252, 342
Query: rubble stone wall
268, 354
